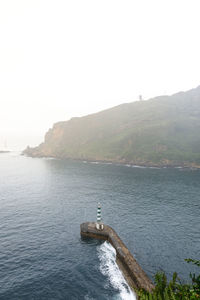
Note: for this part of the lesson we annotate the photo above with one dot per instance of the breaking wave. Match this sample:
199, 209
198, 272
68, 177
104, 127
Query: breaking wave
109, 268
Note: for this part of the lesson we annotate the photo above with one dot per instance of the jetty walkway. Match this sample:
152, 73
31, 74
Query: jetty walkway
134, 274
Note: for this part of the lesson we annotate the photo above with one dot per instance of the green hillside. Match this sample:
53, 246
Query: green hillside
161, 131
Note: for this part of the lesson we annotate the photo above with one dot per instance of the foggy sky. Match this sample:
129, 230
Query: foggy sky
60, 59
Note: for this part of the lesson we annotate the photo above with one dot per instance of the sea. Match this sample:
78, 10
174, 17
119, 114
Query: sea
43, 201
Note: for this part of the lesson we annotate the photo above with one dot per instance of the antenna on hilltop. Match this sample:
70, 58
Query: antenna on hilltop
140, 98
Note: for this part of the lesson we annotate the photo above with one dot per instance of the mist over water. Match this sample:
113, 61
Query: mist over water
44, 201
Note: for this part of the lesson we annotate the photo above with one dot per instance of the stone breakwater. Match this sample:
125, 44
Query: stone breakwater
134, 274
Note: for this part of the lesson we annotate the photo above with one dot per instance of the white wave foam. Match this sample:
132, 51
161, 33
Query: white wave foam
87, 297
109, 268
49, 158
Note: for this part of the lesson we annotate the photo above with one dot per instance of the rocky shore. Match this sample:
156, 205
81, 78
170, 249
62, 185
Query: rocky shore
37, 153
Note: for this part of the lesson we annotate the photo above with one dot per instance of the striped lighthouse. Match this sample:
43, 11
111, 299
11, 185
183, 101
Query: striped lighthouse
99, 224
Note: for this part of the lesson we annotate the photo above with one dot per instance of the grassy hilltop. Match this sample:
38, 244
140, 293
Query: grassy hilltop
163, 131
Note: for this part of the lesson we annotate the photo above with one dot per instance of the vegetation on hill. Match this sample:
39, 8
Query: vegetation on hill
163, 131
174, 290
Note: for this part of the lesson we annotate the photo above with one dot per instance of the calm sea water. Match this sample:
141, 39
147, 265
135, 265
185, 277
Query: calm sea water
156, 212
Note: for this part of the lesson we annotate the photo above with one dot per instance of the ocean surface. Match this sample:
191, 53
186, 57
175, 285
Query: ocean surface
156, 212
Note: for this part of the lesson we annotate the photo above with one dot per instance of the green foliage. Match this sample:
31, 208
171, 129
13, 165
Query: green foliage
174, 290
195, 279
195, 262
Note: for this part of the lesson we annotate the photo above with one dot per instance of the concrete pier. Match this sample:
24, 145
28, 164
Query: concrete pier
134, 274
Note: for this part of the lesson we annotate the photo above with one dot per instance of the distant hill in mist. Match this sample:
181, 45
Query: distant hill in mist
163, 131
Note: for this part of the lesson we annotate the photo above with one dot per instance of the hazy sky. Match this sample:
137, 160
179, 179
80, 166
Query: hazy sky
60, 59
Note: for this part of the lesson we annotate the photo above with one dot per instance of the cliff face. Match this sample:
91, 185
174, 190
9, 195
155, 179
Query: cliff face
160, 131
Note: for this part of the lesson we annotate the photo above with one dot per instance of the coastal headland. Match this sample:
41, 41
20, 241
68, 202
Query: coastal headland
132, 271
160, 132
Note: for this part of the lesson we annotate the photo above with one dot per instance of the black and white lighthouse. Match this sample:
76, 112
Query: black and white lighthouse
99, 224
